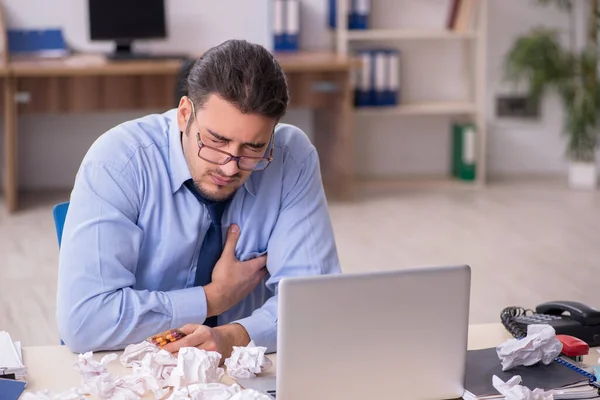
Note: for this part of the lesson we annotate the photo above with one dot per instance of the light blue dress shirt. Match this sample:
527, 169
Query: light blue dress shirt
133, 233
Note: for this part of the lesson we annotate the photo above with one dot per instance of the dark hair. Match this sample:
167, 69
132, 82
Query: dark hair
244, 74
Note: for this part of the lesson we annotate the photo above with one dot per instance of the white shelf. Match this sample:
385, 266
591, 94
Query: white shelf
406, 34
432, 108
472, 40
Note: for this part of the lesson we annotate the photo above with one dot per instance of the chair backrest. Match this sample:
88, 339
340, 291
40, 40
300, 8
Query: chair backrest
60, 214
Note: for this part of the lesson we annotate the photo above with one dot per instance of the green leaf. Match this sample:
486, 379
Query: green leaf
539, 60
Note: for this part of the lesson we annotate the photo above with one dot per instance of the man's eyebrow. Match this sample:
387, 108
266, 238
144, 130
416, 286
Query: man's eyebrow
218, 137
253, 145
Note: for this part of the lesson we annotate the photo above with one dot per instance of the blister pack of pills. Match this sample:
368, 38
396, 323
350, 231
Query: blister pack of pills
163, 338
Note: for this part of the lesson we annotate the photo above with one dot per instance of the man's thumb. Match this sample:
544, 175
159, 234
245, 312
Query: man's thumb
233, 234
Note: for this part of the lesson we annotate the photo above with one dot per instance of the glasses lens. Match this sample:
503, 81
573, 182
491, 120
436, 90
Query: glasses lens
251, 164
212, 155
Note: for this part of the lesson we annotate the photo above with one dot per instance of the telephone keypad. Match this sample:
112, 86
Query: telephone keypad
538, 318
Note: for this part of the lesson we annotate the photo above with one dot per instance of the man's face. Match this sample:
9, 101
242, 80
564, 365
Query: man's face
221, 126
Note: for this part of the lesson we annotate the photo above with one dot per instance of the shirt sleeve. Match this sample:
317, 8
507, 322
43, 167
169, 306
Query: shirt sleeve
302, 243
97, 307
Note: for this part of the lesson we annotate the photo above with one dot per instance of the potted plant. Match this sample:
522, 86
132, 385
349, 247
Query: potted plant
539, 59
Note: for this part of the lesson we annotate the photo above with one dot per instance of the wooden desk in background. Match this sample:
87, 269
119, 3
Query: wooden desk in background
90, 83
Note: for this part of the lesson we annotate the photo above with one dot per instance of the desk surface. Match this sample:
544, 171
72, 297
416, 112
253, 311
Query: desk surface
96, 64
50, 367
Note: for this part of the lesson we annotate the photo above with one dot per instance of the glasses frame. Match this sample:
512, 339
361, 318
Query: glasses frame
231, 157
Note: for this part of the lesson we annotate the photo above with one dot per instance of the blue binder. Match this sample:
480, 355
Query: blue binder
359, 14
44, 42
279, 25
292, 25
11, 389
393, 79
332, 14
364, 92
381, 76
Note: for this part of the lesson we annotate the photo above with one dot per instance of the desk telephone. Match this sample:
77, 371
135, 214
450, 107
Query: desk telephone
577, 327
582, 321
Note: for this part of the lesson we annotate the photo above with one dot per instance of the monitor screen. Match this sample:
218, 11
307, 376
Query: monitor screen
127, 19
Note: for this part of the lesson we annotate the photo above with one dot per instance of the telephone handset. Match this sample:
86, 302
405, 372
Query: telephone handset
582, 321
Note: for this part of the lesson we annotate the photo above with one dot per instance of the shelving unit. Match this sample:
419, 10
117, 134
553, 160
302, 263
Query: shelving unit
406, 34
472, 109
433, 108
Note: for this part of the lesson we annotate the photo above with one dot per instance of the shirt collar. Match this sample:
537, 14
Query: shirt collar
177, 163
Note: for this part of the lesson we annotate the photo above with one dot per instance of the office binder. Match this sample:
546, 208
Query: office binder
333, 13
278, 25
392, 88
359, 14
463, 151
11, 389
380, 70
364, 80
39, 42
384, 68
292, 25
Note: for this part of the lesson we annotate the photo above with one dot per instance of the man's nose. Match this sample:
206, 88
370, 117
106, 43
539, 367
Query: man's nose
231, 168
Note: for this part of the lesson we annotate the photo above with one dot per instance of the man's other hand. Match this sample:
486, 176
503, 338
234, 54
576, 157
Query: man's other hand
220, 339
232, 280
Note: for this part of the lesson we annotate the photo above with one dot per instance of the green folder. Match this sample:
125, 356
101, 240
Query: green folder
464, 151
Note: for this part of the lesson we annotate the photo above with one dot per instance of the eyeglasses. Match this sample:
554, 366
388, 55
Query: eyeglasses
220, 157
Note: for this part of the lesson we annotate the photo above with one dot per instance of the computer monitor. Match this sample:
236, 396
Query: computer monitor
124, 21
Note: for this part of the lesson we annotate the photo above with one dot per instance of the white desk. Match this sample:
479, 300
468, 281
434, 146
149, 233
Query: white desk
51, 367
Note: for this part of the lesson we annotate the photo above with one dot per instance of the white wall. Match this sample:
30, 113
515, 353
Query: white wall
517, 147
51, 147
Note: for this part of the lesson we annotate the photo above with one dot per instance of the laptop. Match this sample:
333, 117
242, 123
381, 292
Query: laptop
390, 334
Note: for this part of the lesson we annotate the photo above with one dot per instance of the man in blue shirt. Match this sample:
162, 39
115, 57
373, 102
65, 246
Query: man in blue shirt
144, 228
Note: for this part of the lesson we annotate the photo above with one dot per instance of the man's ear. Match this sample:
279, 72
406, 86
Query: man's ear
184, 112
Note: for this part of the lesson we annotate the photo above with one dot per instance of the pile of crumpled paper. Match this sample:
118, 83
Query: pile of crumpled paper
195, 374
540, 344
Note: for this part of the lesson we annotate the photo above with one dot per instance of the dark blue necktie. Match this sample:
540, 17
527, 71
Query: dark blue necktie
212, 246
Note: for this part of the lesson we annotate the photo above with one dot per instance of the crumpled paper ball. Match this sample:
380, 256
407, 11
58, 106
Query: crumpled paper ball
246, 362
540, 344
196, 366
512, 390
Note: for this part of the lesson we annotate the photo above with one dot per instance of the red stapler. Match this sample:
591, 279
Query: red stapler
573, 347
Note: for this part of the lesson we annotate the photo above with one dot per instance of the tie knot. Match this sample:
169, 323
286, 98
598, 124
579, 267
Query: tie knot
215, 209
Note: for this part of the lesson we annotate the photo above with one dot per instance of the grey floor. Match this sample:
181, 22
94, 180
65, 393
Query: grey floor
526, 242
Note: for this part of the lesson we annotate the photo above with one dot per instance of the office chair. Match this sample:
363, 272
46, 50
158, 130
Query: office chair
60, 214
